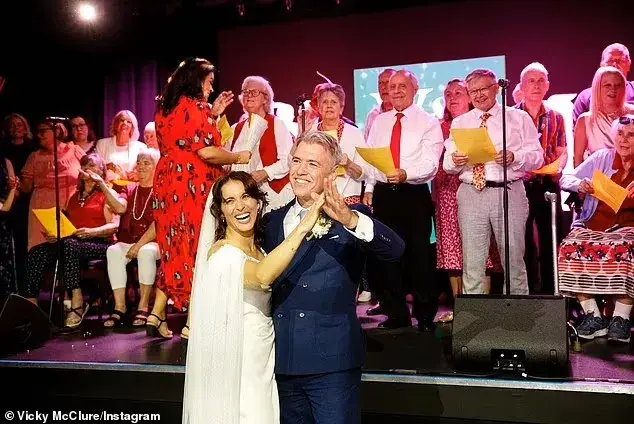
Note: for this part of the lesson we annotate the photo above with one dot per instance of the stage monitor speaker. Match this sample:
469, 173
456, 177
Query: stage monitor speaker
23, 325
511, 334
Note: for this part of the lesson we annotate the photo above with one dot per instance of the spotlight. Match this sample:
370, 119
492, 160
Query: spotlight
87, 12
289, 4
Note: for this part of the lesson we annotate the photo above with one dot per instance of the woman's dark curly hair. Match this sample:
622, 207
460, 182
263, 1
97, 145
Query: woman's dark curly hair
251, 188
186, 80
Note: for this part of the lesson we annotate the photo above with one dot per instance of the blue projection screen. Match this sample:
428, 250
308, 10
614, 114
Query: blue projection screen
432, 78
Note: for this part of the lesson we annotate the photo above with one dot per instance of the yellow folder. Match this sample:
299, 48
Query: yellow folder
474, 143
378, 157
607, 190
49, 222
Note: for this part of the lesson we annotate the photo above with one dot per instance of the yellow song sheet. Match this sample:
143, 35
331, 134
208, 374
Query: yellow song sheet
225, 130
122, 183
341, 171
607, 190
474, 143
550, 169
49, 222
378, 157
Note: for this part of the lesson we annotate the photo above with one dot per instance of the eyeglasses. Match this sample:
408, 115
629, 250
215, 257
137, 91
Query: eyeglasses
251, 93
78, 126
480, 90
625, 120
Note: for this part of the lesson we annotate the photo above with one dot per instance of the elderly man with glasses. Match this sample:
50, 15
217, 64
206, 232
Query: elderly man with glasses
480, 204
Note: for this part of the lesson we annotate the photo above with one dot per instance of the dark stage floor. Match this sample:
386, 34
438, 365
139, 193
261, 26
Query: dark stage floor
408, 378
403, 349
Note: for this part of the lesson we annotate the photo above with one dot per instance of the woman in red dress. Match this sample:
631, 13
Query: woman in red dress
191, 160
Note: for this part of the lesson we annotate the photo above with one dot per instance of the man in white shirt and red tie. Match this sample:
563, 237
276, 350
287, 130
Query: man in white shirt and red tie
402, 201
480, 196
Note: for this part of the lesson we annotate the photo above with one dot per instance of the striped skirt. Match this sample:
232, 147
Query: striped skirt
595, 262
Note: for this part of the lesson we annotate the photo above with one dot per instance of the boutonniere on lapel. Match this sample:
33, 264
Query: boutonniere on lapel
321, 227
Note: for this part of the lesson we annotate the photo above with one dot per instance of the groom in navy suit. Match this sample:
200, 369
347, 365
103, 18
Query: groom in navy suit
319, 341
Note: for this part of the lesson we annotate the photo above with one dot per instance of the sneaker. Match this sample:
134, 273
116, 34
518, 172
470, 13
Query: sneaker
364, 296
592, 327
620, 330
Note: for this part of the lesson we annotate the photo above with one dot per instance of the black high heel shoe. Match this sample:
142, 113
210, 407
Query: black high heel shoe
152, 330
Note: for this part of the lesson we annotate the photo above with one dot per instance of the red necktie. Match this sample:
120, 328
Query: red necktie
395, 142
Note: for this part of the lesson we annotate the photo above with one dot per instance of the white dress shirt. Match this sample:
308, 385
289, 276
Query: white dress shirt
369, 120
122, 156
421, 144
521, 139
275, 171
364, 230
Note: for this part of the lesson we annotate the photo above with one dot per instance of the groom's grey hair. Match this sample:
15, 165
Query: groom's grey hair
328, 142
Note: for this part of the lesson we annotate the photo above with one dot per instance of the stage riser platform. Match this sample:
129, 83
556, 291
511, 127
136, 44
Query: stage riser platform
385, 398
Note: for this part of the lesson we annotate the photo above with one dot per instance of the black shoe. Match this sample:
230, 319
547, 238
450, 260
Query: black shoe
375, 310
393, 323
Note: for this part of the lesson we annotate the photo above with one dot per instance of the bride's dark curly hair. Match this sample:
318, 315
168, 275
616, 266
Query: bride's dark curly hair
186, 80
251, 188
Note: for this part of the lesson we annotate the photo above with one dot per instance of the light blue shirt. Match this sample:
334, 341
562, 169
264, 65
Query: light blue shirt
601, 160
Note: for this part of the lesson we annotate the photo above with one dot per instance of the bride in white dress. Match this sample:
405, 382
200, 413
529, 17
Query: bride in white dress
229, 376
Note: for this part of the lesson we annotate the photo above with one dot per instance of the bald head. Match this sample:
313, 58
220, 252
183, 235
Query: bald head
402, 89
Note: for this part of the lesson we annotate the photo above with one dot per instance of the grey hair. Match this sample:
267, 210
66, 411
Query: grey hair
480, 73
409, 75
328, 142
535, 66
148, 153
7, 120
268, 90
614, 130
150, 126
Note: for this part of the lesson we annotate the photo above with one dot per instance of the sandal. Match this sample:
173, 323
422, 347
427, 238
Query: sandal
70, 323
185, 332
140, 319
115, 320
153, 330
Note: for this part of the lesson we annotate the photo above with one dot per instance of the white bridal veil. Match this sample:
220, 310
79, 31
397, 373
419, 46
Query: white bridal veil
214, 354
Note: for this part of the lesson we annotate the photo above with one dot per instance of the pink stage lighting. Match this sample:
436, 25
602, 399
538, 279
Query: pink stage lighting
87, 12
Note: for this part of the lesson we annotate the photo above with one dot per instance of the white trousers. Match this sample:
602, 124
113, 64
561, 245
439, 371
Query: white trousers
117, 261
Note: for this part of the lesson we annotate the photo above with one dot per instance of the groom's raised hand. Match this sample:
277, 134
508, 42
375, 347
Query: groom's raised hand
336, 207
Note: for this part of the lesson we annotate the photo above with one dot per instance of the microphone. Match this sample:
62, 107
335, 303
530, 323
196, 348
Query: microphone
301, 99
57, 119
503, 82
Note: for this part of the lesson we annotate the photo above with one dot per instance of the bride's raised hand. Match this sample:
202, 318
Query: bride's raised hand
309, 220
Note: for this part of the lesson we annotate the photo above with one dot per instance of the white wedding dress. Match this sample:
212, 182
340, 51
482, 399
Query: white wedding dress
229, 377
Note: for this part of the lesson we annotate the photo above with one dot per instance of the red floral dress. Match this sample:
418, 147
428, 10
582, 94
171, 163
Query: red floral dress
181, 184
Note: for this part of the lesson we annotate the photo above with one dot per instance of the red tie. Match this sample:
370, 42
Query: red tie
395, 142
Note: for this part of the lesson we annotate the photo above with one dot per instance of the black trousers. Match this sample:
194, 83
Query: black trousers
407, 209
539, 251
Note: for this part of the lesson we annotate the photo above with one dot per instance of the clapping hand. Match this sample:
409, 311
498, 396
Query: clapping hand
336, 207
244, 156
630, 190
223, 100
14, 183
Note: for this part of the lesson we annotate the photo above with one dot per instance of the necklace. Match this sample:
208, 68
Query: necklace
149, 196
84, 197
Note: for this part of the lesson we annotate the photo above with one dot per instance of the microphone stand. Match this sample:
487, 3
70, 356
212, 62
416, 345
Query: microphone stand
59, 263
302, 108
505, 200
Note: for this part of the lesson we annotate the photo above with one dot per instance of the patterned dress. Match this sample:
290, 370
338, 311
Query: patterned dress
181, 184
449, 243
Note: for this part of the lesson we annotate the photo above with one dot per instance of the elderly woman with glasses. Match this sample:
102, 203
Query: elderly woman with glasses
267, 138
597, 256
